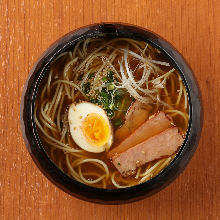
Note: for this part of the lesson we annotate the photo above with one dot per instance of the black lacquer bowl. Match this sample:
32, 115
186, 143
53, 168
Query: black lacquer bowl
68, 184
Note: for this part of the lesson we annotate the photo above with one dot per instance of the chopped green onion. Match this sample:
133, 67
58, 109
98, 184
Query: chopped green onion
111, 106
105, 79
80, 77
91, 75
104, 89
110, 76
104, 94
118, 122
86, 87
110, 113
111, 86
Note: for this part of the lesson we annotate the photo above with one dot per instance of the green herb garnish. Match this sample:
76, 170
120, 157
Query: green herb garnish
110, 76
104, 94
104, 79
111, 106
118, 122
80, 77
110, 113
91, 75
86, 87
111, 86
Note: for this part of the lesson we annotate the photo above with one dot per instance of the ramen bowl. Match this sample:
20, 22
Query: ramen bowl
69, 184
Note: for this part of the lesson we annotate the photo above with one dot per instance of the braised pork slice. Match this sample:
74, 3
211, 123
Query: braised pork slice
156, 124
164, 144
136, 115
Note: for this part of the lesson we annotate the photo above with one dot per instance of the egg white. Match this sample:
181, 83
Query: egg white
76, 116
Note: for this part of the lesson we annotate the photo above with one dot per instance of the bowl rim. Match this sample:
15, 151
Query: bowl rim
63, 44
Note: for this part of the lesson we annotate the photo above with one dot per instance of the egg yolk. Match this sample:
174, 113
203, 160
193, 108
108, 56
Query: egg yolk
96, 130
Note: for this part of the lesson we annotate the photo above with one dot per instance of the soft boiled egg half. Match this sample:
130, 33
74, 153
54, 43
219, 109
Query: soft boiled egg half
90, 127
